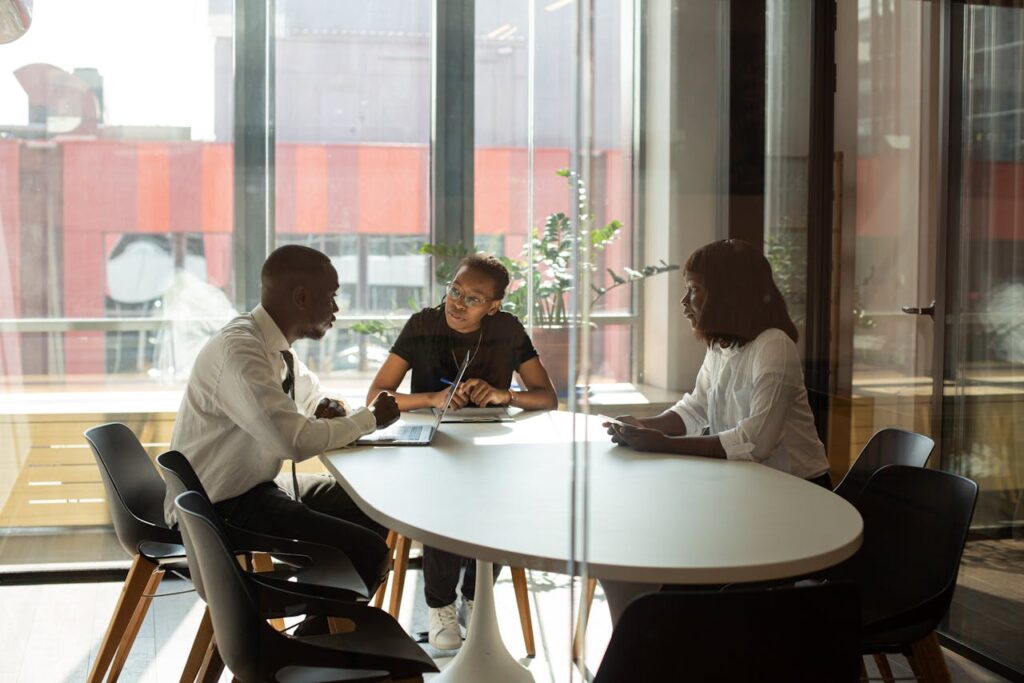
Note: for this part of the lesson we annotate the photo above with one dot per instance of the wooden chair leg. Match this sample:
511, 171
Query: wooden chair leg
132, 589
523, 602
340, 625
201, 643
378, 597
132, 629
262, 562
398, 575
927, 661
586, 600
213, 665
884, 670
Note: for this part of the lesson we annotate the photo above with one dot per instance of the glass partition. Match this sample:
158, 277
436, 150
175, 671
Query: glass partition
984, 389
115, 223
352, 171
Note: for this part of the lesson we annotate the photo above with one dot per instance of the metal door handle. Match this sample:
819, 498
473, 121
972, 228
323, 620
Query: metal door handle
928, 310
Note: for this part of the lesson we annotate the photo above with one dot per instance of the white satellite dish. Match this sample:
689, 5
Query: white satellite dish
15, 18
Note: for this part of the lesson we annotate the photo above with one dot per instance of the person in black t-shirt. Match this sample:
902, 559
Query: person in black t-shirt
433, 344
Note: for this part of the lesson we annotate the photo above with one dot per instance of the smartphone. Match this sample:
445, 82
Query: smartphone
612, 420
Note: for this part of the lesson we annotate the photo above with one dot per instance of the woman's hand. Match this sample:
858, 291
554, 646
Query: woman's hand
639, 438
438, 398
482, 394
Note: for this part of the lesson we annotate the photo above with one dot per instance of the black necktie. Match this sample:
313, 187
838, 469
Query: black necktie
289, 379
289, 388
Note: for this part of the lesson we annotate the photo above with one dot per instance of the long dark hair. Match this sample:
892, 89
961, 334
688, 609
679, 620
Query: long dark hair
740, 297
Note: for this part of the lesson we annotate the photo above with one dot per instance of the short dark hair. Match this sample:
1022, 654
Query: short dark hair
740, 297
492, 267
291, 264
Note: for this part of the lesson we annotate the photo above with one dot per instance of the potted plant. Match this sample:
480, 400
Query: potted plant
545, 264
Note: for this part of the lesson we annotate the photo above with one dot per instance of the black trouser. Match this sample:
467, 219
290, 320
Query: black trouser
441, 576
326, 515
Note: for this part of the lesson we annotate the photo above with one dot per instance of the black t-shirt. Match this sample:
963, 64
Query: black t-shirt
434, 351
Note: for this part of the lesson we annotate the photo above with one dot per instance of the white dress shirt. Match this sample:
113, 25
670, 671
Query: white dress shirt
236, 424
753, 398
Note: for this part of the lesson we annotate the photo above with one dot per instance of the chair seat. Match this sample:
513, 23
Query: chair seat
160, 552
319, 674
894, 638
376, 640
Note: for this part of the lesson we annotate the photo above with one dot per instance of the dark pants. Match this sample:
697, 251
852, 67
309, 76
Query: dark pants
441, 576
326, 515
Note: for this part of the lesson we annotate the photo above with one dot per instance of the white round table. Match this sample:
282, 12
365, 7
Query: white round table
653, 518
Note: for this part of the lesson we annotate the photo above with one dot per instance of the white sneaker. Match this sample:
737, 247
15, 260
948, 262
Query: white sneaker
465, 612
444, 628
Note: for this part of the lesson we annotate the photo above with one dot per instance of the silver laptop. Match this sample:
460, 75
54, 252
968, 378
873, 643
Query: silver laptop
414, 435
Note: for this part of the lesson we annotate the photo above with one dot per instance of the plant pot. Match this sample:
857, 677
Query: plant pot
552, 343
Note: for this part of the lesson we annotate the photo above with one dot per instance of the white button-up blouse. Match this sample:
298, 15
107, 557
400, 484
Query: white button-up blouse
753, 398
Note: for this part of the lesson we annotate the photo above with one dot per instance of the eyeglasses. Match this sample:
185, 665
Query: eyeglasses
456, 294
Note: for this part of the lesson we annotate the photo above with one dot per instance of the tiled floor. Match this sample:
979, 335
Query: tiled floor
51, 632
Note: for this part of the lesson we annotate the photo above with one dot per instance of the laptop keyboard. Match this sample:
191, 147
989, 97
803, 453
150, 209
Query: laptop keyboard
400, 433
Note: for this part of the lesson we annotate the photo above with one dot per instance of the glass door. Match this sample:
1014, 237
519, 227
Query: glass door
885, 166
983, 404
930, 338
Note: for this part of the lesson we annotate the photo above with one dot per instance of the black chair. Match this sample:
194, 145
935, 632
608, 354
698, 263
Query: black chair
303, 567
253, 651
888, 446
915, 525
135, 495
783, 634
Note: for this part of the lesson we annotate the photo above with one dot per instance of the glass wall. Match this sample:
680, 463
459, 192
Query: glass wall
115, 223
117, 209
887, 231
352, 164
787, 149
983, 406
524, 121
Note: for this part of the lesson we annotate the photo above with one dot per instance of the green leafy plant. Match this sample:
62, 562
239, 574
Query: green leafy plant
545, 263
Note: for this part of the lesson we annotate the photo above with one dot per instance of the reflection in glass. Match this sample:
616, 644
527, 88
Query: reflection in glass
115, 225
352, 162
985, 335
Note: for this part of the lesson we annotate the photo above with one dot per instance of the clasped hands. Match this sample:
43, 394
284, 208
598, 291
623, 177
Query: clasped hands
384, 408
636, 434
473, 390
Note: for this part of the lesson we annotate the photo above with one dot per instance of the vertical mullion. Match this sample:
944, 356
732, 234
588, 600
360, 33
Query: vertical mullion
947, 257
817, 339
253, 190
452, 128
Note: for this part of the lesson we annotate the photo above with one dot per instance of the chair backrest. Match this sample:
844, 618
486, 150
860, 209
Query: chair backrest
180, 477
888, 446
135, 492
791, 634
916, 522
233, 607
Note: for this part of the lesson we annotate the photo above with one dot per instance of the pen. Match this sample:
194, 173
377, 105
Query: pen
447, 382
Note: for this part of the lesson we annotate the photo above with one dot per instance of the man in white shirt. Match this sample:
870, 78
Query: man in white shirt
250, 405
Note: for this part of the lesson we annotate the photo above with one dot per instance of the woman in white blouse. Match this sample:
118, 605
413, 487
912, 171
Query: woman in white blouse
749, 402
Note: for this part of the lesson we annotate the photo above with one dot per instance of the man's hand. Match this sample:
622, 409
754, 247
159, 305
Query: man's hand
330, 407
628, 419
385, 410
640, 438
438, 398
481, 393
